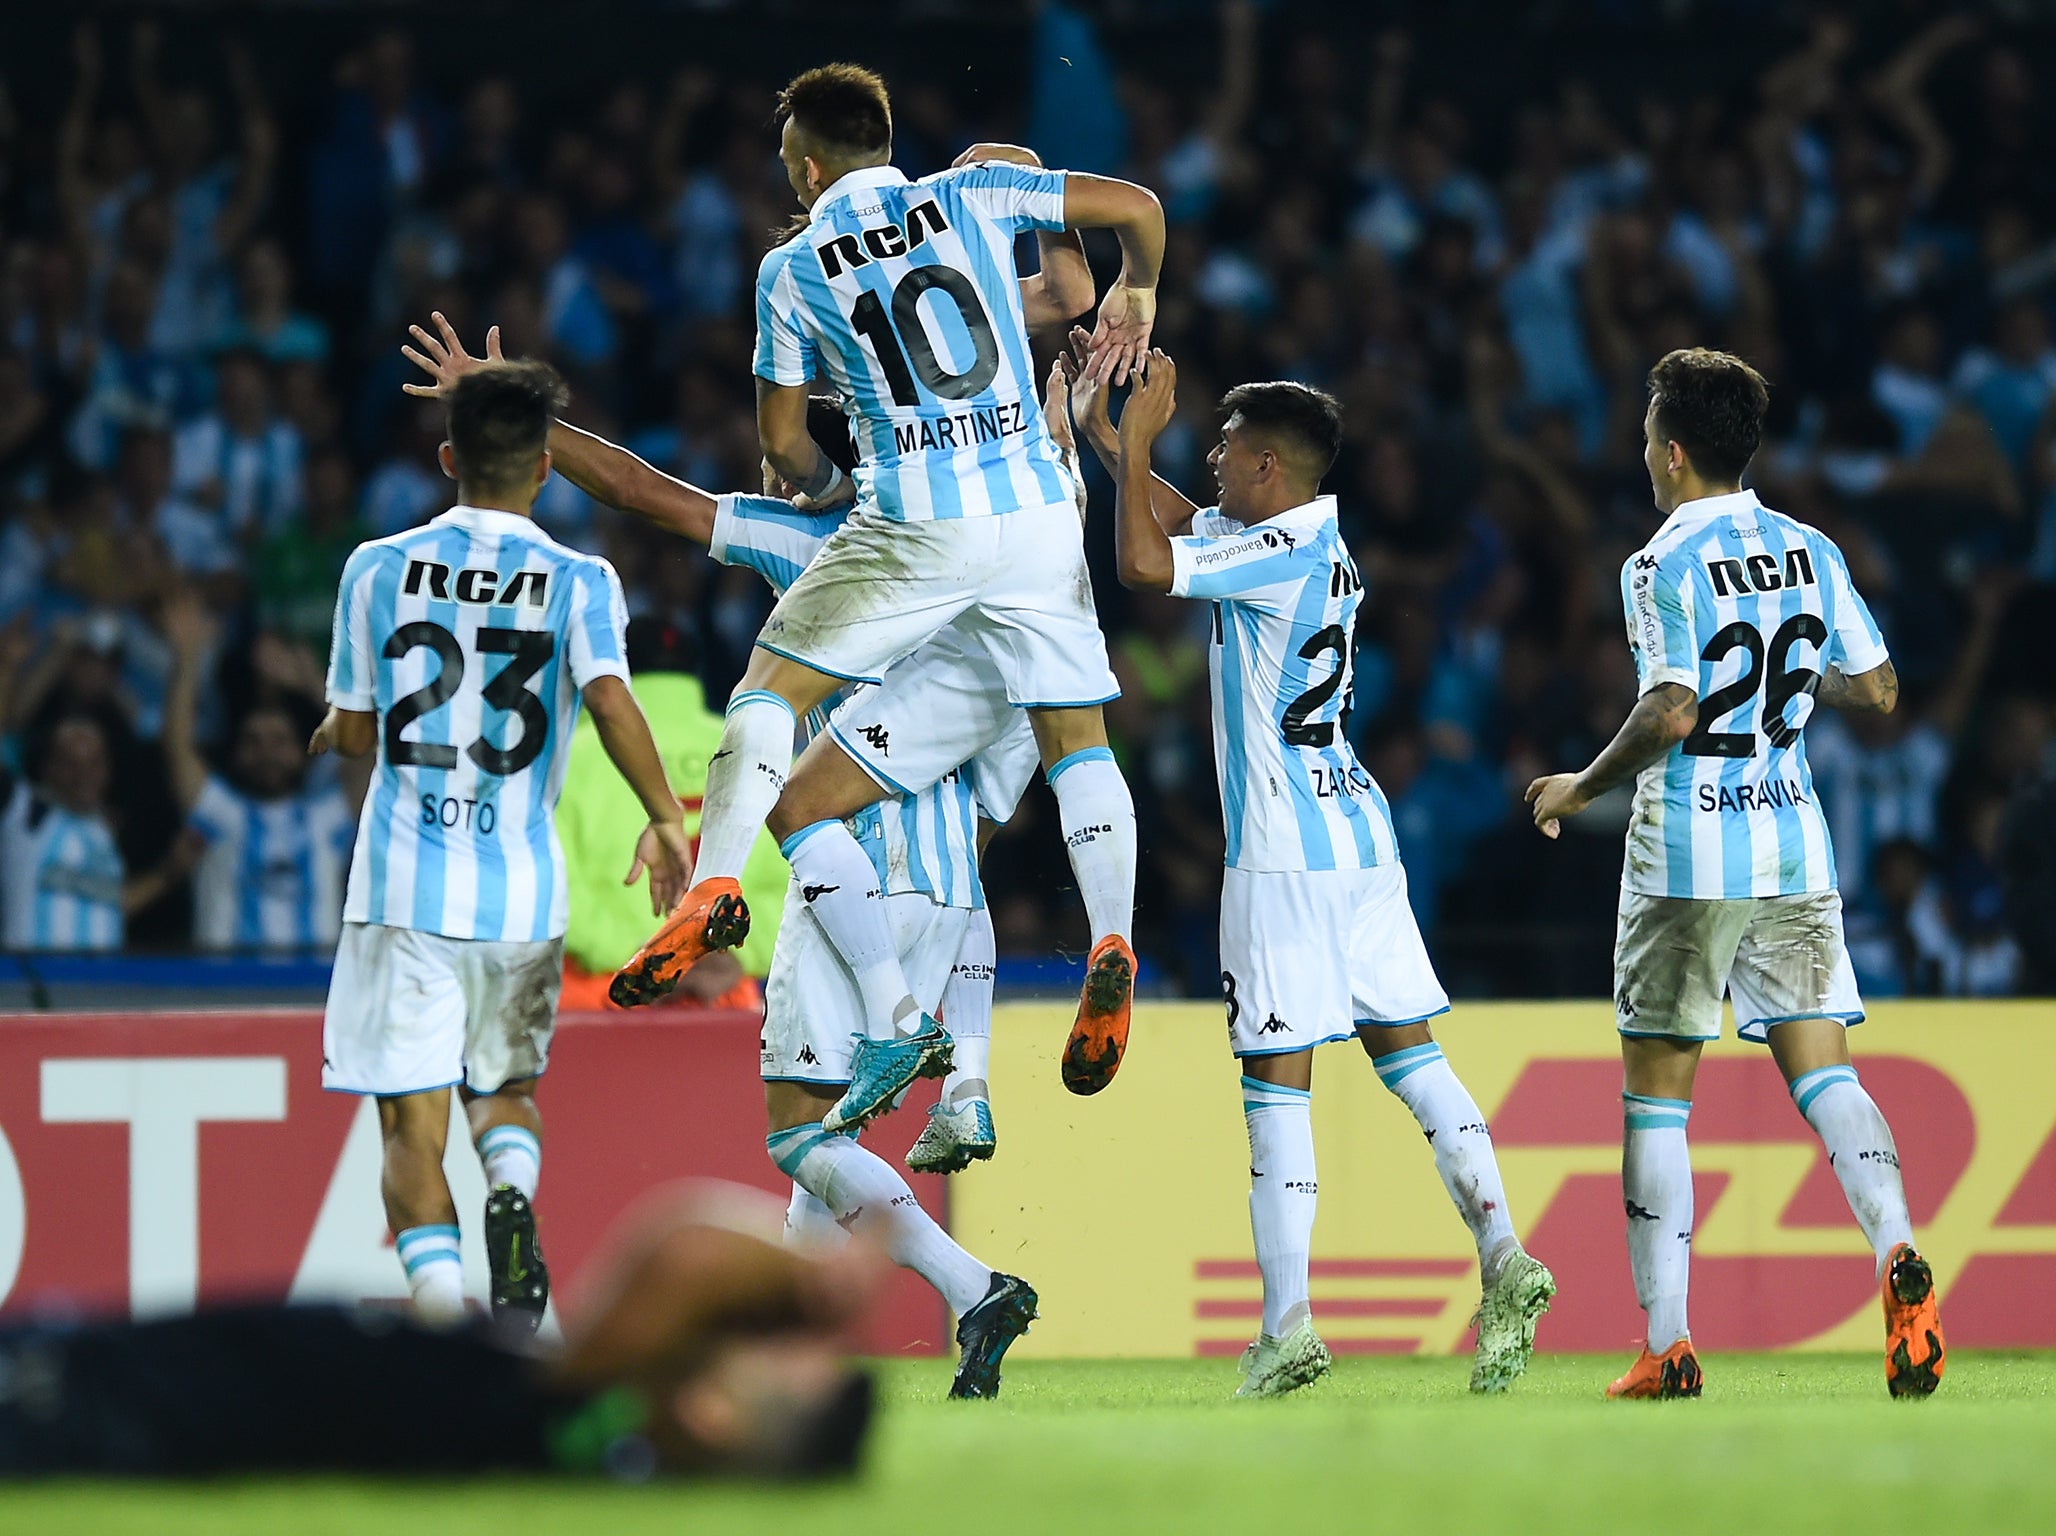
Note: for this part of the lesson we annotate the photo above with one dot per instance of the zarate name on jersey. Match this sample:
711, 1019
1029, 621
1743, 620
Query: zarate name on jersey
1285, 595
926, 842
906, 295
471, 637
1747, 608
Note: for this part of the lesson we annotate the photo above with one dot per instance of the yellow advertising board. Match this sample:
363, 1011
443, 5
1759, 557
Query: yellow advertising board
1129, 1211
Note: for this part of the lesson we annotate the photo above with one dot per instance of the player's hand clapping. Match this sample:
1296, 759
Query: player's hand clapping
444, 359
1152, 403
1120, 341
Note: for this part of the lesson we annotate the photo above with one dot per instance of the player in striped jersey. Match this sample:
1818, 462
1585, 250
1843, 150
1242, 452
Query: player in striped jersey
462, 652
903, 294
1741, 620
1318, 942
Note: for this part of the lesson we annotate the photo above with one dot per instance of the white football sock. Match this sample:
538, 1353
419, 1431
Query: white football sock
867, 1194
1861, 1150
967, 1012
744, 781
1282, 1193
839, 885
435, 1273
512, 1155
1656, 1186
809, 1222
1097, 817
1425, 1083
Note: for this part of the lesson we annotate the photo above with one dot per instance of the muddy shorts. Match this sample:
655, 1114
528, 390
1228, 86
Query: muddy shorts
411, 1011
1779, 958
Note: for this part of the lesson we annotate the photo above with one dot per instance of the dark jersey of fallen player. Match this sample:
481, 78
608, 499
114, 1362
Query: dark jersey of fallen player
300, 1389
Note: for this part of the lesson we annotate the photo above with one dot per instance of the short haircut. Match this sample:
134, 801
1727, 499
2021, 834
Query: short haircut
499, 420
829, 426
1304, 422
843, 108
1711, 404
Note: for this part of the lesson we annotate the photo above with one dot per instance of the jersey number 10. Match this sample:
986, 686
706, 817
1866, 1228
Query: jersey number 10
902, 345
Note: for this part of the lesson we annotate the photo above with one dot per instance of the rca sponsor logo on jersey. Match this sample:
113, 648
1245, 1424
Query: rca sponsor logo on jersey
1778, 1261
478, 585
1733, 576
881, 242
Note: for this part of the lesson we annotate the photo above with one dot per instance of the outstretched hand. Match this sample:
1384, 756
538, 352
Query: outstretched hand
1120, 341
1152, 402
443, 358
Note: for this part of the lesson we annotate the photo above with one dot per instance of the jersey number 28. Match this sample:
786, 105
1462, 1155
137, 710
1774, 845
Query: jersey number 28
508, 691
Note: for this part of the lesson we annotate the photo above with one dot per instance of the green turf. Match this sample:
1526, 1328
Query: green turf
1779, 1443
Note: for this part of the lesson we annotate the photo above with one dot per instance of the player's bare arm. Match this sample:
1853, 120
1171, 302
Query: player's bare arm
190, 629
663, 848
790, 449
1142, 550
345, 732
1874, 692
1120, 341
1063, 289
1174, 510
605, 471
1661, 718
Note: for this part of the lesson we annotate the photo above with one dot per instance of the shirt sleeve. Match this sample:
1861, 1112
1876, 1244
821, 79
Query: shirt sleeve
1239, 565
219, 813
1660, 610
785, 353
769, 536
599, 625
1014, 196
352, 671
1858, 645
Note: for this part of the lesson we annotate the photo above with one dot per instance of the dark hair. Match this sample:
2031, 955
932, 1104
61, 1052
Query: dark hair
829, 426
1711, 404
1308, 419
841, 107
499, 420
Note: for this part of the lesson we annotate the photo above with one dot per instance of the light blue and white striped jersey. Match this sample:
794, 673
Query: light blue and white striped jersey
60, 877
272, 875
1285, 594
471, 637
906, 295
1747, 608
926, 842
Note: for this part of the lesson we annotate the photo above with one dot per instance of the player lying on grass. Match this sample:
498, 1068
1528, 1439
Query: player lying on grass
903, 295
463, 650
705, 1346
1317, 940
1740, 620
923, 851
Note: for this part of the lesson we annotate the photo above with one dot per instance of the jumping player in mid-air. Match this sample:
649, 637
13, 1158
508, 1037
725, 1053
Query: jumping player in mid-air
1741, 621
463, 650
903, 294
1318, 942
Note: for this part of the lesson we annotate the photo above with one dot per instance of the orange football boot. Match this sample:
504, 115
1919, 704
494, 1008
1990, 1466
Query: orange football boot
1093, 1053
1913, 1328
1674, 1373
710, 916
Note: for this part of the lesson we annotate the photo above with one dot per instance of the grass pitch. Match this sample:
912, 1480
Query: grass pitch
1779, 1443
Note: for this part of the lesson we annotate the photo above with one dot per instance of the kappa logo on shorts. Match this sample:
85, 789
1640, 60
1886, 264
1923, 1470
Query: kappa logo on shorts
1625, 1008
806, 1057
1274, 1026
879, 738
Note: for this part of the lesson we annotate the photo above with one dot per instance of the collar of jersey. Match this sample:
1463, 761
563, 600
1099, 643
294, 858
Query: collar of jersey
484, 518
1310, 514
863, 177
1708, 506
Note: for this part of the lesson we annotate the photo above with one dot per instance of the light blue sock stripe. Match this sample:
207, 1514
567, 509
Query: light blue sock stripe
1082, 755
1258, 1087
1651, 1120
1683, 1106
757, 696
1396, 1067
509, 1136
789, 1148
424, 1245
791, 844
1809, 1086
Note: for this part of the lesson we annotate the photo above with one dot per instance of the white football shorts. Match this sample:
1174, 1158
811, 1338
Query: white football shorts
813, 1012
944, 706
1016, 585
1309, 955
1780, 958
410, 1011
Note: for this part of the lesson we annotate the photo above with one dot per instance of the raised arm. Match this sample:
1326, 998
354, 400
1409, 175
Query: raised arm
260, 152
1661, 718
1142, 550
1063, 289
1171, 507
663, 848
189, 628
1127, 315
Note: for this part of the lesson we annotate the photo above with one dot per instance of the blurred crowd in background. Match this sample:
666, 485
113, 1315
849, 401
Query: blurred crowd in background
207, 265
